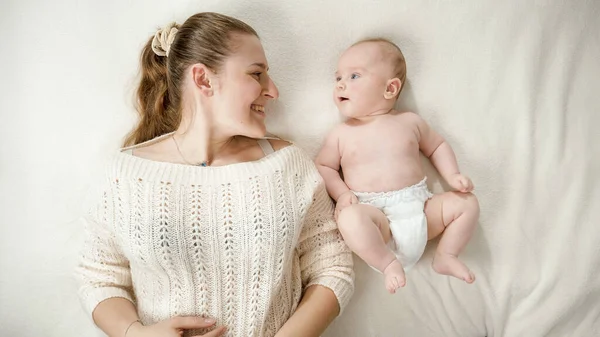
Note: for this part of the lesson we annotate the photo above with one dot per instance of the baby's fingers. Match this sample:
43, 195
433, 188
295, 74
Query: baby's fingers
462, 184
468, 185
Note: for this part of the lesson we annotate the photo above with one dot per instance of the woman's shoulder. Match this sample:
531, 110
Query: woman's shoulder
155, 149
288, 147
302, 164
297, 159
278, 143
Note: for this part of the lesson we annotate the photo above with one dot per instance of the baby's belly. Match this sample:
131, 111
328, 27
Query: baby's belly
382, 177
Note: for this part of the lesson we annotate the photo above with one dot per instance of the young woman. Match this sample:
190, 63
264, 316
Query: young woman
204, 227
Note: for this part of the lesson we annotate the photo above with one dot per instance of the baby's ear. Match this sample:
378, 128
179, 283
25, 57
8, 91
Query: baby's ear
392, 88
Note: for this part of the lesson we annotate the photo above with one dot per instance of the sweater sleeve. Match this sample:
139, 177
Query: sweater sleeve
103, 271
324, 257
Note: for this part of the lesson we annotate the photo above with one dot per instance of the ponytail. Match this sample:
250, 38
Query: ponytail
157, 115
203, 38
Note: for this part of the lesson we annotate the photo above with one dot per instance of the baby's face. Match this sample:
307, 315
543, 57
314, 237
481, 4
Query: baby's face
361, 80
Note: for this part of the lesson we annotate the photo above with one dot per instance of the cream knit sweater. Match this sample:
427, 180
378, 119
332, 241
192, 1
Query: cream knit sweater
238, 243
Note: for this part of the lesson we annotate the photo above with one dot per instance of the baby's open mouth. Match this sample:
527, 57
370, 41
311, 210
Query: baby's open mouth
343, 99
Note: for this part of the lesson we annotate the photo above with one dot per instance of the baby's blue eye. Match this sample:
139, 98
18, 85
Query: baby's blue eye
338, 78
354, 76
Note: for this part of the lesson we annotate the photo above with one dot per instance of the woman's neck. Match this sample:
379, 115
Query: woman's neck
200, 145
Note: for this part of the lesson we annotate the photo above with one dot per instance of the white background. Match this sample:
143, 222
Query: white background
513, 85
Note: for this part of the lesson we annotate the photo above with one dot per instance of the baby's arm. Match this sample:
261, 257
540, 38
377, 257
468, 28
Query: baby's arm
442, 156
328, 164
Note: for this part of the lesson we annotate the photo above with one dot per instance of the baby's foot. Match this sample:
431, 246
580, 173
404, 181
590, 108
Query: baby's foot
450, 265
394, 276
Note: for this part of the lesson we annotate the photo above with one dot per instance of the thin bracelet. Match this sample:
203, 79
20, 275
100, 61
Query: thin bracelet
129, 327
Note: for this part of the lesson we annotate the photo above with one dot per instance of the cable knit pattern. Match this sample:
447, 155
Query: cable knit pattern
238, 243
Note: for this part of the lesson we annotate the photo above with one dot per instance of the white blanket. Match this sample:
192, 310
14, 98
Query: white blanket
514, 86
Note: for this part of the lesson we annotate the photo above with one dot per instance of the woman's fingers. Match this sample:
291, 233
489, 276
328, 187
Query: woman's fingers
216, 332
191, 322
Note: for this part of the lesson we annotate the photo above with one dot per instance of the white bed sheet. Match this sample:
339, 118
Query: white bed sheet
513, 86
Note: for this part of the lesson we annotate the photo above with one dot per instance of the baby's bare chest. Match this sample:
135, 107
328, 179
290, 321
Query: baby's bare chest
381, 141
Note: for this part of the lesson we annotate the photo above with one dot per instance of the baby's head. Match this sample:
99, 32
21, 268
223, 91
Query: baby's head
369, 78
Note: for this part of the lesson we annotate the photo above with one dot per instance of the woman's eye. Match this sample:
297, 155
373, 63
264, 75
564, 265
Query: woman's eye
257, 74
354, 76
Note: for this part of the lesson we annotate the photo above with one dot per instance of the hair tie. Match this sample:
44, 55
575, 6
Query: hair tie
161, 44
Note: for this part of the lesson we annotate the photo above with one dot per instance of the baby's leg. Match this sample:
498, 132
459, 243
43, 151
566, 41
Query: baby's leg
366, 230
456, 215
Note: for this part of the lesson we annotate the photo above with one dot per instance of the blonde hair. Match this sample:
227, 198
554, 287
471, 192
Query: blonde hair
203, 38
395, 56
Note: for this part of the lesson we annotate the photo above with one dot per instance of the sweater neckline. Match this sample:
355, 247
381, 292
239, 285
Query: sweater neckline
258, 161
138, 168
123, 151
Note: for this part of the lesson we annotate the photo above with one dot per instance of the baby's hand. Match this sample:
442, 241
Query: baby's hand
461, 183
344, 200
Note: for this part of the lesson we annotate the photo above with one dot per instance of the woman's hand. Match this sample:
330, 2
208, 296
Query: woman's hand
174, 327
344, 200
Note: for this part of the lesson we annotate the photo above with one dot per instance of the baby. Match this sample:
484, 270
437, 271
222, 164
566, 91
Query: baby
384, 210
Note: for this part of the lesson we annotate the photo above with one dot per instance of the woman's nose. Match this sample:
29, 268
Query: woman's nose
270, 90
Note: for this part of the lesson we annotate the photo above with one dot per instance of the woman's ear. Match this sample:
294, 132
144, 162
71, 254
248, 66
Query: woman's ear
201, 77
392, 88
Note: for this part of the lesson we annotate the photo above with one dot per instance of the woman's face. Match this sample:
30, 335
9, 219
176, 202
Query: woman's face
242, 89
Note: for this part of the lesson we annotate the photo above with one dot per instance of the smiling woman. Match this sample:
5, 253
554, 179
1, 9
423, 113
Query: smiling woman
225, 85
204, 227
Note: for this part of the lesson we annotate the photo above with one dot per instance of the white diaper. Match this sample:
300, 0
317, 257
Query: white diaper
405, 211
